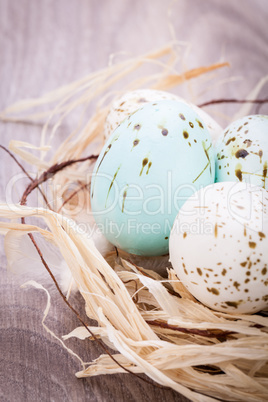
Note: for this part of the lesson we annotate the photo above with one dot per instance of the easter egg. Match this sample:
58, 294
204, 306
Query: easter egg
242, 151
131, 101
153, 162
219, 247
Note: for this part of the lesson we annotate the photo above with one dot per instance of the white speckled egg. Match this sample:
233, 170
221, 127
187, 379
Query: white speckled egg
242, 151
219, 247
153, 162
133, 100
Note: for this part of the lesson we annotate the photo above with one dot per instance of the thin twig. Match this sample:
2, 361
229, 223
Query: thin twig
216, 101
257, 111
192, 331
26, 173
48, 174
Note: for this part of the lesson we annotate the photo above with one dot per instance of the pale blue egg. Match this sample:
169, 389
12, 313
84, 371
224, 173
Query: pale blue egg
242, 151
156, 159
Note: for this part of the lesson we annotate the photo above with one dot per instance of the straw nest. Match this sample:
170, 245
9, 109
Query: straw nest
151, 322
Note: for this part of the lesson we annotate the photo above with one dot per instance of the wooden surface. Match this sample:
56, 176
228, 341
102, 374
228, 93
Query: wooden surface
45, 44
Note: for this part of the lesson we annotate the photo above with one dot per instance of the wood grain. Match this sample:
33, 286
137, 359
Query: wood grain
45, 44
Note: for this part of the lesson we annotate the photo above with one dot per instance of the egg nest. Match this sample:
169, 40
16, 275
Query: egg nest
144, 313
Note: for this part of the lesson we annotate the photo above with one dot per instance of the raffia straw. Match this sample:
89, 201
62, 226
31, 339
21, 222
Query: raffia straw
153, 324
163, 353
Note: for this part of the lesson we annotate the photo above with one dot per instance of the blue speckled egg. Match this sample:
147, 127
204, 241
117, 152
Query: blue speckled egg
156, 159
242, 151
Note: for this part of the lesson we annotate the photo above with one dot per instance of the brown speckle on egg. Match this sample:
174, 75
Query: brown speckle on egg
214, 291
247, 142
241, 153
232, 304
264, 169
144, 163
199, 123
124, 198
237, 285
199, 271
164, 132
230, 140
238, 174
149, 167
